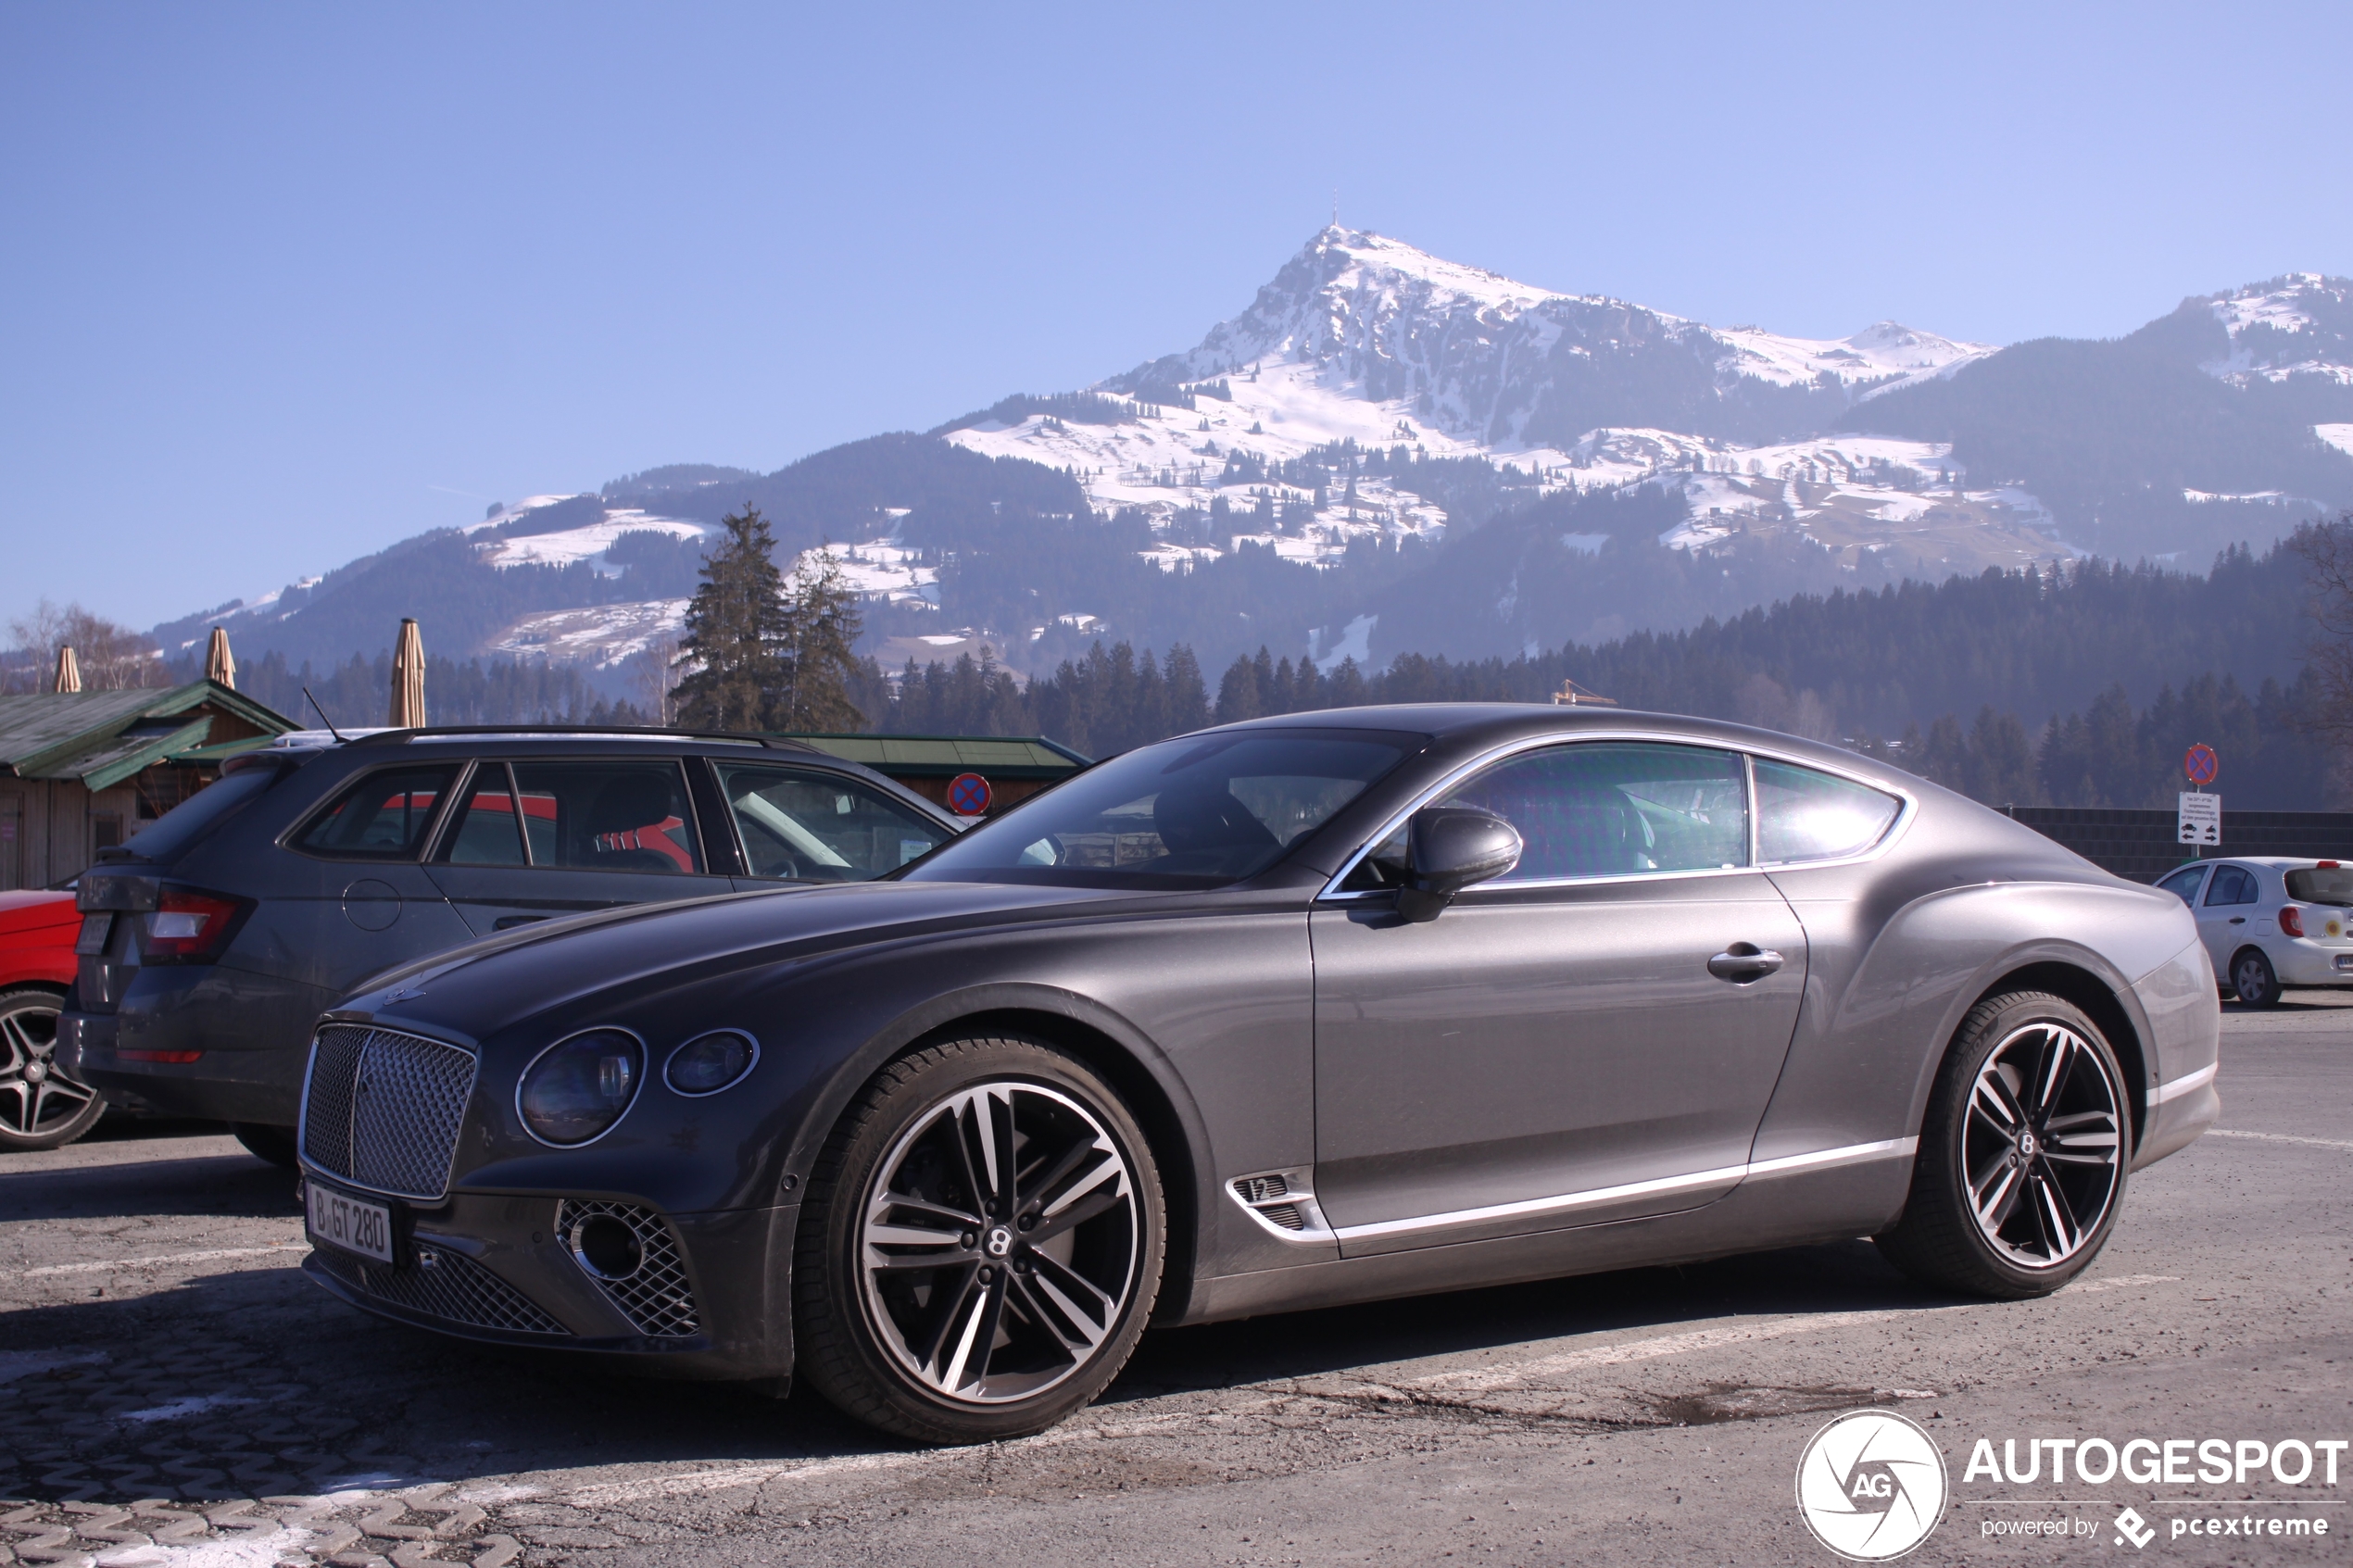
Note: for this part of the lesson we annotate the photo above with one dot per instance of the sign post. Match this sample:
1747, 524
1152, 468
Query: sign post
2198, 820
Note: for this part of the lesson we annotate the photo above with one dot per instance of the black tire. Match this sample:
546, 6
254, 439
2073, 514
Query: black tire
895, 1347
2252, 979
40, 1107
274, 1144
1981, 1195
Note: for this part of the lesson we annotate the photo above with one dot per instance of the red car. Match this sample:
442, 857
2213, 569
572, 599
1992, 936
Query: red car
40, 1107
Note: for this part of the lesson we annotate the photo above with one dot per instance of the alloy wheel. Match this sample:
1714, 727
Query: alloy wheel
1000, 1242
37, 1100
2040, 1155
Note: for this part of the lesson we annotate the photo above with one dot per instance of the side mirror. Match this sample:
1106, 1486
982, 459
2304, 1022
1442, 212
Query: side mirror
1447, 849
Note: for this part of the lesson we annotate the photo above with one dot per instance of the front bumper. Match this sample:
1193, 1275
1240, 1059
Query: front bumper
491, 1268
250, 1035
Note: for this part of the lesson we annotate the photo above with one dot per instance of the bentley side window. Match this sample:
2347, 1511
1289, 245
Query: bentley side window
810, 826
2182, 883
1803, 814
1610, 809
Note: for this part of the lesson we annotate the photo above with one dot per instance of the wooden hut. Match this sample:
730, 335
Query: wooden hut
83, 770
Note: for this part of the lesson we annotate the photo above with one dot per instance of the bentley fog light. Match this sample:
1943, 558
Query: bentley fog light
576, 1089
709, 1063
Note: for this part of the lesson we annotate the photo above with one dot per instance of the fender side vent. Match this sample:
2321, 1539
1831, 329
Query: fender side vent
1283, 1201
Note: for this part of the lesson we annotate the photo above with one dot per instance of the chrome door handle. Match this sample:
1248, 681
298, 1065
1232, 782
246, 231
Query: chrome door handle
1745, 963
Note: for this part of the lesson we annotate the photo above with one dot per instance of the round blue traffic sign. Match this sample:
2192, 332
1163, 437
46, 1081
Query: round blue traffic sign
968, 795
2201, 764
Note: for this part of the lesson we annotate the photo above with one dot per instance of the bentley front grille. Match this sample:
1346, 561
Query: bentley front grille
647, 1282
382, 1108
444, 1285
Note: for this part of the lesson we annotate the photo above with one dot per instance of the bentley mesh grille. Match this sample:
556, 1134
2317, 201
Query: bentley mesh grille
443, 1284
382, 1109
656, 1296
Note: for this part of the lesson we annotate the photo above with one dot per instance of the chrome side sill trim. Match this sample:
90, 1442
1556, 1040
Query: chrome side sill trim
1853, 1154
2188, 1083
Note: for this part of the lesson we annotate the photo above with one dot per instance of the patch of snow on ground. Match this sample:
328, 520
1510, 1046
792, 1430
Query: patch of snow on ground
1584, 544
599, 635
880, 570
509, 514
2338, 436
1356, 640
2273, 496
588, 543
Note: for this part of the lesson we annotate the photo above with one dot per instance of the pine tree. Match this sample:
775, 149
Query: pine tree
819, 635
734, 633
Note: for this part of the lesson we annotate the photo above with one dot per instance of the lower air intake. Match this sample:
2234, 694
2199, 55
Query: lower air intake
443, 1284
654, 1294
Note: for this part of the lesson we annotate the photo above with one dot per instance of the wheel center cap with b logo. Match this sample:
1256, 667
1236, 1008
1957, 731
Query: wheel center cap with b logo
2027, 1146
1000, 1242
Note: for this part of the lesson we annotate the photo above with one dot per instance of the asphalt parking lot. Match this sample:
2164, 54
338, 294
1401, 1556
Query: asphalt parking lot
172, 1390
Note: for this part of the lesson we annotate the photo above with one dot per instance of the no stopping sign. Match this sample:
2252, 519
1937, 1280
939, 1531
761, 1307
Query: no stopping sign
968, 795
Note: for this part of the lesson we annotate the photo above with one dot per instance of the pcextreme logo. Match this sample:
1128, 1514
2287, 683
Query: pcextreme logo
1872, 1486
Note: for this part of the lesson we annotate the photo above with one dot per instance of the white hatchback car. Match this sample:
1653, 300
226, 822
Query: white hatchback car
2271, 923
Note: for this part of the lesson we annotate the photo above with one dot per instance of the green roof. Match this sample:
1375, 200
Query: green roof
1004, 757
102, 738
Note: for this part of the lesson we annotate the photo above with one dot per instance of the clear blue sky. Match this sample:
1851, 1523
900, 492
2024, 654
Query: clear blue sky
282, 285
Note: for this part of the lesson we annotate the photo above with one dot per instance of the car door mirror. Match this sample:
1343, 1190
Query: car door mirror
1449, 848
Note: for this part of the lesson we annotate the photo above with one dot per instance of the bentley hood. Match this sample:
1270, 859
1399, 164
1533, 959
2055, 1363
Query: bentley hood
483, 986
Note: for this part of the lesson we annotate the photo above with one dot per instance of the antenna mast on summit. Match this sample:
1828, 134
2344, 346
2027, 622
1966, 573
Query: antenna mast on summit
1335, 206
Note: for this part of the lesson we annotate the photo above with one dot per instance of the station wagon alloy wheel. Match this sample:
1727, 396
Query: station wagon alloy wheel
999, 1243
2039, 1157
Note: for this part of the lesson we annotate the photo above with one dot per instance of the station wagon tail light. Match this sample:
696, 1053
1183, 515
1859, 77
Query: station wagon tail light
2291, 921
187, 926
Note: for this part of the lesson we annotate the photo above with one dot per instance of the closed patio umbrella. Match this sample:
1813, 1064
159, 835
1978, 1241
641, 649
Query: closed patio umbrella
408, 679
68, 670
219, 664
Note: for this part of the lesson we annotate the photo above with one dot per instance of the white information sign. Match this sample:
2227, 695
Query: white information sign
2201, 819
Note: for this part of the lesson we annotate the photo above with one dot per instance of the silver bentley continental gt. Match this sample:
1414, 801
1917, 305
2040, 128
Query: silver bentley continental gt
1270, 1017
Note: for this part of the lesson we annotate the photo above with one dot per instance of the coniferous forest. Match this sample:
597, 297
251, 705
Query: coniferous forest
2076, 685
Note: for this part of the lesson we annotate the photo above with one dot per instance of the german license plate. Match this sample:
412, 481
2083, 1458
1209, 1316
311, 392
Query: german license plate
338, 1220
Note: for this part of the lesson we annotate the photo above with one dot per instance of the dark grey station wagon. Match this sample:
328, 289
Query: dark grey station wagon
211, 942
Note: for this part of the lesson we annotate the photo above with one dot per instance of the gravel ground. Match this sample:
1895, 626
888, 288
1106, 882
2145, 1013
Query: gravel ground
173, 1391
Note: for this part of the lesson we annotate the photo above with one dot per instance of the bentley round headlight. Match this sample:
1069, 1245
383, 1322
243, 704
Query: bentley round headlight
708, 1063
577, 1088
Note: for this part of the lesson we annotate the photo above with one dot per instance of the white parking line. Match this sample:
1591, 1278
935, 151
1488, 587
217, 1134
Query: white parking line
213, 1255
2278, 1137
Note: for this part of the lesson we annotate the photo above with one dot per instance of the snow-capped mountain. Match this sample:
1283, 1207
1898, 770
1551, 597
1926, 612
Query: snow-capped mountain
1389, 451
2296, 326
1365, 340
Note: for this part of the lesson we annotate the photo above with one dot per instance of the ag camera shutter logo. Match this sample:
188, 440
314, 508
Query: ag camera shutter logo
1872, 1486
